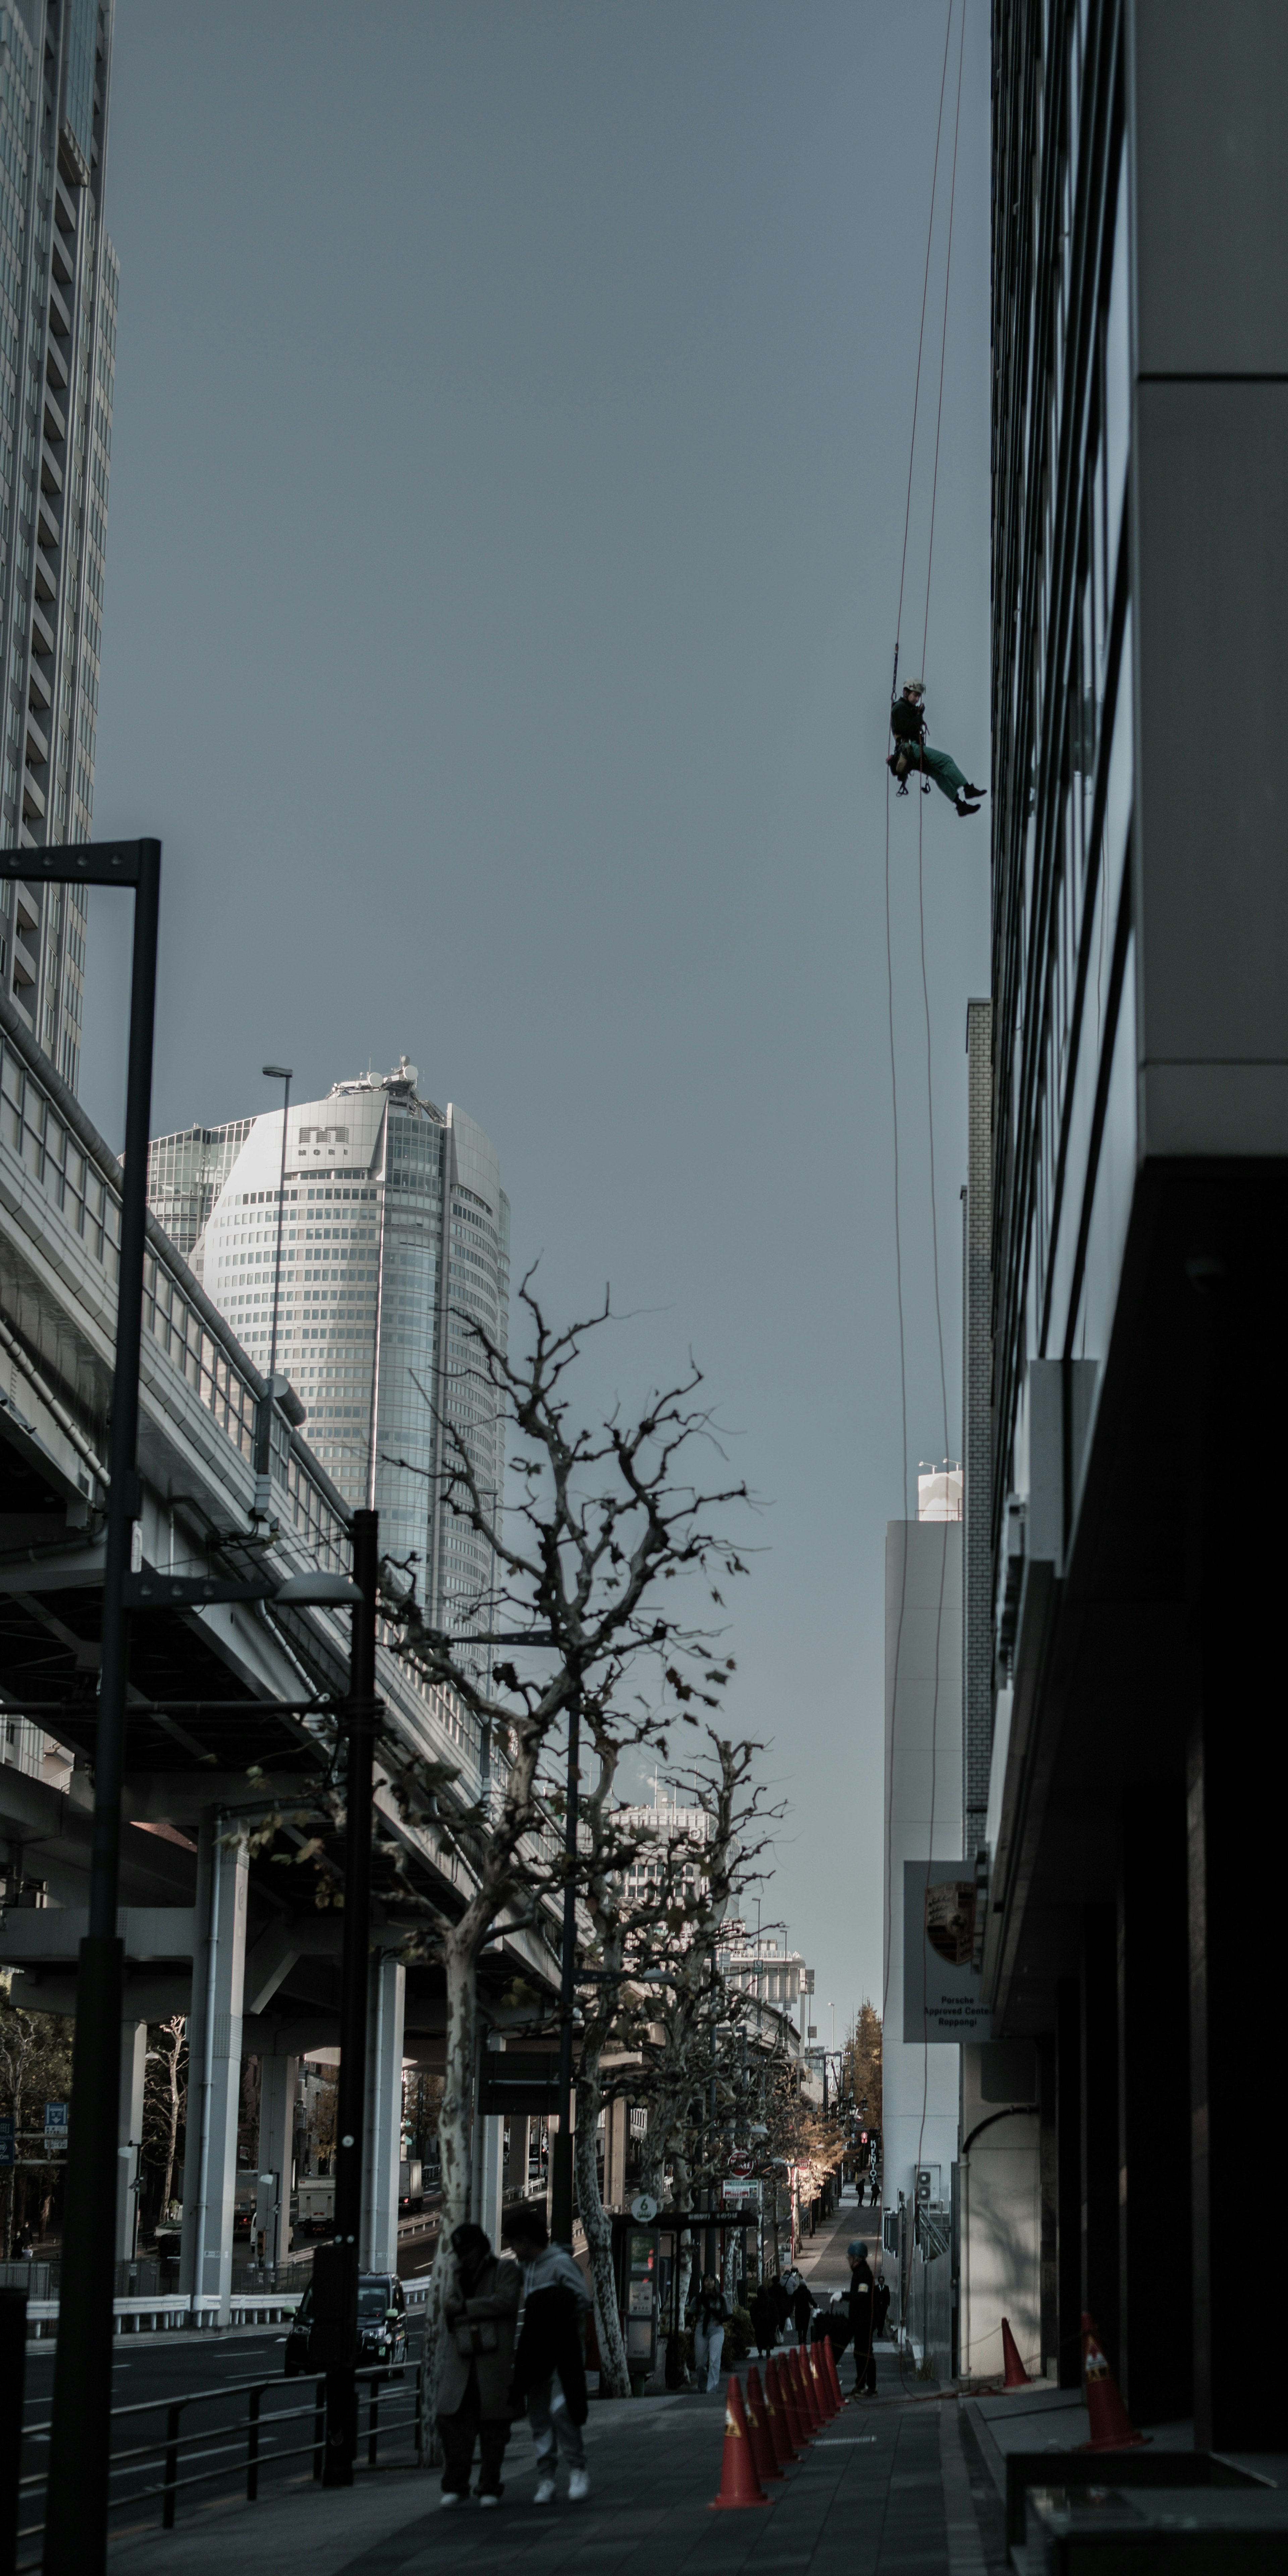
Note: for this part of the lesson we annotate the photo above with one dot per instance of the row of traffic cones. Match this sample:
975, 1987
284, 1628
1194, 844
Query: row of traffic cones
1111, 2426
768, 2430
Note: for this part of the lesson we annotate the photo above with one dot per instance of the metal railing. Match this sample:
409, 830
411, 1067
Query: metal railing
170, 2464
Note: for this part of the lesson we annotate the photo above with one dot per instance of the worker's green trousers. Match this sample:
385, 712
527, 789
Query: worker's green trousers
940, 766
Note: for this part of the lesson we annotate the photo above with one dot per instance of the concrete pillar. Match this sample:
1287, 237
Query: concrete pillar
382, 2146
1068, 2150
1100, 2124
134, 2045
214, 2063
516, 2167
1155, 2358
275, 2154
491, 2140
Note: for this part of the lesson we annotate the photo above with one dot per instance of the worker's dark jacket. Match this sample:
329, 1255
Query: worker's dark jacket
550, 2342
907, 723
862, 2303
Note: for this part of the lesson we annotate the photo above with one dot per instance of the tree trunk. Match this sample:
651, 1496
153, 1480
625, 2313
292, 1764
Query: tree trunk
614, 2377
460, 1968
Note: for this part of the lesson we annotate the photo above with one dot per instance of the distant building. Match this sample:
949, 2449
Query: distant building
59, 287
186, 1173
923, 1824
1139, 1178
395, 1234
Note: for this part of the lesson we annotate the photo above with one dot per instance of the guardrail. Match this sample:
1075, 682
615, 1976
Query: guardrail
176, 2310
170, 2463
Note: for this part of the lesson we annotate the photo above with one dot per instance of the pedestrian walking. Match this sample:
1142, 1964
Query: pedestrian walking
711, 2309
881, 2306
802, 2309
862, 2318
763, 2317
549, 2365
474, 2392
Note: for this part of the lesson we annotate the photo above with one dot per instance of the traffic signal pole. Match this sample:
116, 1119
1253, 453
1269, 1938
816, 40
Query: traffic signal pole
351, 2101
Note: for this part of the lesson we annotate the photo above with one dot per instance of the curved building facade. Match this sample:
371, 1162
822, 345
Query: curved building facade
395, 1236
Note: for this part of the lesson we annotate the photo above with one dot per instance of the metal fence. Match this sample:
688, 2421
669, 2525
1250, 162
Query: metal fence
161, 2458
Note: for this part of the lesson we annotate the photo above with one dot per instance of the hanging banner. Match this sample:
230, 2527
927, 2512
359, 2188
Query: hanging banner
943, 1997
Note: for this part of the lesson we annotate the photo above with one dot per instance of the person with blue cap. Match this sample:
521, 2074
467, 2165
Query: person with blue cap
862, 2303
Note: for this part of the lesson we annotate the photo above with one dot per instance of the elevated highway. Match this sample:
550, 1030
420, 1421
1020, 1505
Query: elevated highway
231, 1858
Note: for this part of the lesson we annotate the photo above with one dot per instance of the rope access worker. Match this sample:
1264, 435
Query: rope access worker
911, 751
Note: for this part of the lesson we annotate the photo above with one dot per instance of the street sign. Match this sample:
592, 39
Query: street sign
7, 2150
55, 2125
738, 2163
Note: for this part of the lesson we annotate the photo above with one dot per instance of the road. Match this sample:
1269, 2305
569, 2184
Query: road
211, 2372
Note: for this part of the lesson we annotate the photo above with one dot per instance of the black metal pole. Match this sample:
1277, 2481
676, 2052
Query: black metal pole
351, 2102
561, 2194
80, 2444
13, 2371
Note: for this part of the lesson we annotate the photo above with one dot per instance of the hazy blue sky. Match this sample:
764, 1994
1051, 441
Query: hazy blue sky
512, 416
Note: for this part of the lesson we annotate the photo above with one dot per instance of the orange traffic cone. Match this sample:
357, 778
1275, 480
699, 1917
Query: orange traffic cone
833, 2375
809, 2414
739, 2484
797, 2434
1016, 2374
775, 2418
1111, 2426
762, 2448
818, 2383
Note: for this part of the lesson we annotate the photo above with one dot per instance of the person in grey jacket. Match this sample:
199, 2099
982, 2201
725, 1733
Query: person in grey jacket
549, 2366
478, 2359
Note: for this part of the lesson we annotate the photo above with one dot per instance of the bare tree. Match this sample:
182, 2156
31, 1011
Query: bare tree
35, 2068
165, 2096
603, 1519
658, 2000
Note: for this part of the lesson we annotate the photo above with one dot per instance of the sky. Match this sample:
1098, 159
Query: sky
510, 460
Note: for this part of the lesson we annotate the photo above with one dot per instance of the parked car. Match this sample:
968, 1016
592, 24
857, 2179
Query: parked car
382, 2325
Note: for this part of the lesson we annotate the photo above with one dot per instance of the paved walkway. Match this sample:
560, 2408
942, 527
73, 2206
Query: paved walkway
884, 2491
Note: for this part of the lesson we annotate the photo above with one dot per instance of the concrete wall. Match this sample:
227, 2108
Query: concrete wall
923, 1794
999, 2209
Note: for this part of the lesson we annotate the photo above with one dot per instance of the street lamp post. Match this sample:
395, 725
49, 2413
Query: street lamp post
264, 1460
341, 2384
80, 2443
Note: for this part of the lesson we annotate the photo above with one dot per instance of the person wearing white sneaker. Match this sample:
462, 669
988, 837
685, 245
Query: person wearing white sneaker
548, 2367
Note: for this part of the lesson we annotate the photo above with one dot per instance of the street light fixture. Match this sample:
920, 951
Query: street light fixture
263, 1464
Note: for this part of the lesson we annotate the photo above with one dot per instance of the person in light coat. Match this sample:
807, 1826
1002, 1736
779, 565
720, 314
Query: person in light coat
478, 2361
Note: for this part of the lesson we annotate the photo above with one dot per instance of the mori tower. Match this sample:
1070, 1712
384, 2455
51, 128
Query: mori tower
395, 1234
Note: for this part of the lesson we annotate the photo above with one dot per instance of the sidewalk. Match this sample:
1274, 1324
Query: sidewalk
882, 2492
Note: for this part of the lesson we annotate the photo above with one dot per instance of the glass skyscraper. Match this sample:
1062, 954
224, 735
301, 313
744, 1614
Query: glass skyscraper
395, 1233
59, 287
186, 1173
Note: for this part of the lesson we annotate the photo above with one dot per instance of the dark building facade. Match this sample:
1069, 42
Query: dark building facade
1139, 1177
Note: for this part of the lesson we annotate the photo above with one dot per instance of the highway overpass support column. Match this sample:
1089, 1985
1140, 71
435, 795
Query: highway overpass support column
214, 2064
382, 2154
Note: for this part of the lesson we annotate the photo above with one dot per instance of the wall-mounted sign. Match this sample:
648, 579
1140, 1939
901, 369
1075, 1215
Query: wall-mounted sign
942, 1994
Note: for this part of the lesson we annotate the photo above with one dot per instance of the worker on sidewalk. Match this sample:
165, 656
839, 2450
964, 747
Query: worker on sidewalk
710, 2313
911, 751
549, 2368
474, 2392
862, 2304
